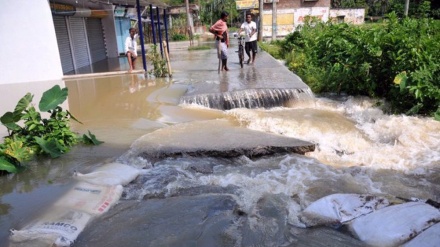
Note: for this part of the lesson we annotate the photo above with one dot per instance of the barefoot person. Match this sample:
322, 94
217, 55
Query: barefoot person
131, 48
220, 31
250, 29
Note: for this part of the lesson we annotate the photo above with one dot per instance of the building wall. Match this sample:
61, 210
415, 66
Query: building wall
291, 13
29, 49
352, 16
293, 4
108, 24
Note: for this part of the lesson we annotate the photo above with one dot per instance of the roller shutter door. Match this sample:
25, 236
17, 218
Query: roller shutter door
96, 39
78, 38
63, 43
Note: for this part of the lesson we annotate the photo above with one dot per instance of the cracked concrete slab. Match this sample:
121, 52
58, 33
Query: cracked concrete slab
215, 138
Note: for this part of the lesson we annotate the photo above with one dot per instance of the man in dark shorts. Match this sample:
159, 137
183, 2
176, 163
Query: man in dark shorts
250, 29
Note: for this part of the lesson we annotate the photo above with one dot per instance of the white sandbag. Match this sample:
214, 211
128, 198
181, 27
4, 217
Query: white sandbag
340, 208
428, 238
110, 174
394, 225
58, 227
90, 198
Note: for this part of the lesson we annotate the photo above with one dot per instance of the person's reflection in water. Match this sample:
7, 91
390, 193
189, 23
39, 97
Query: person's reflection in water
135, 83
224, 83
251, 75
241, 76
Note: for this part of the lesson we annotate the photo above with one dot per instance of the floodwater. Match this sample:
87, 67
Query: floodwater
206, 201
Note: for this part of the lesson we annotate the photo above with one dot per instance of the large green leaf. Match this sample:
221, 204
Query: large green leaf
12, 126
9, 120
50, 147
22, 104
8, 117
52, 98
7, 166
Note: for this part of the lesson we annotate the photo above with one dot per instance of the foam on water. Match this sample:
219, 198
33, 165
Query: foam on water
353, 133
299, 179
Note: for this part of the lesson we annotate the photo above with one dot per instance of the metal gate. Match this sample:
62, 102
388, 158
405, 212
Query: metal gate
80, 41
63, 43
96, 39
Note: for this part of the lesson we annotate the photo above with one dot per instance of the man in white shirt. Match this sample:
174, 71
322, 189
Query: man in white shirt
250, 29
131, 48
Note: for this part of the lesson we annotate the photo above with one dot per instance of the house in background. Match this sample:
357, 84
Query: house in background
179, 11
352, 16
293, 13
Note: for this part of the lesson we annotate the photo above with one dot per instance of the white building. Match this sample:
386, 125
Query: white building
42, 40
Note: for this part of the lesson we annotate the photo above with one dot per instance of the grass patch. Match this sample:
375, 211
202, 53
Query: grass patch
199, 47
272, 49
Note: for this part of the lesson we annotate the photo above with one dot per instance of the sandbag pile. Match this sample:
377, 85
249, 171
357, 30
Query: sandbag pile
92, 196
375, 221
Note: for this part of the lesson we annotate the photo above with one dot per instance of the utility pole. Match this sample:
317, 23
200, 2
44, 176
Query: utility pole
188, 18
406, 8
260, 20
274, 20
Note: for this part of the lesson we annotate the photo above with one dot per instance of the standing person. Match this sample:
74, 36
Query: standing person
220, 31
250, 29
191, 37
131, 48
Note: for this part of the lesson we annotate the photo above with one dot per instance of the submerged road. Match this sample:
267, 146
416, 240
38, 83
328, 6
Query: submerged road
266, 83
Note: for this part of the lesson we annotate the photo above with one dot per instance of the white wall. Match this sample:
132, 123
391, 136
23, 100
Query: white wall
28, 44
353, 16
289, 19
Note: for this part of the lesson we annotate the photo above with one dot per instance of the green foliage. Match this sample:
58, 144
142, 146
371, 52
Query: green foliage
7, 165
199, 47
52, 98
29, 134
417, 9
271, 48
210, 11
178, 37
159, 64
91, 139
397, 60
179, 28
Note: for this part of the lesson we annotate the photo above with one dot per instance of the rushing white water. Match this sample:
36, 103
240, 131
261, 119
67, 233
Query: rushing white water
353, 133
360, 150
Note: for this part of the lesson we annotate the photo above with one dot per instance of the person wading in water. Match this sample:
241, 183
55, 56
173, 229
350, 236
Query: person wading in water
220, 31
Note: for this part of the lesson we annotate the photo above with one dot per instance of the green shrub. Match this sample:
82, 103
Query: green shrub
178, 37
159, 64
29, 134
365, 60
271, 48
